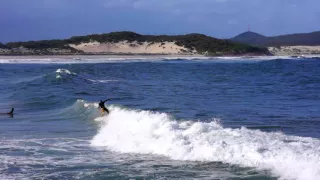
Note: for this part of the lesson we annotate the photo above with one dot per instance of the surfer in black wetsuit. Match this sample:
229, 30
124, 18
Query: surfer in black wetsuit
103, 108
9, 113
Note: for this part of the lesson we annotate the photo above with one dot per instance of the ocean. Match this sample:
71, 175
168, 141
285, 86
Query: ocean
170, 118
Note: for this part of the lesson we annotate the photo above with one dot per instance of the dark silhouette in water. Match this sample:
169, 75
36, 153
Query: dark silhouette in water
103, 108
9, 113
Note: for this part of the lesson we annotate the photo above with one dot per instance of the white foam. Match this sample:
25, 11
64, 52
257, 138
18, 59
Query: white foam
60, 72
145, 132
113, 59
92, 59
64, 71
42, 155
102, 81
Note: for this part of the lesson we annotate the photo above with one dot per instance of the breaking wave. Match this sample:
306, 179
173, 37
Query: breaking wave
146, 132
113, 59
60, 72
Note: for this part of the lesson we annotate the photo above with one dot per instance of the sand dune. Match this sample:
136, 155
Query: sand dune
4, 51
294, 50
133, 47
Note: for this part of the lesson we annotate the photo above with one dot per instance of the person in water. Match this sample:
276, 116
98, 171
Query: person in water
103, 108
9, 113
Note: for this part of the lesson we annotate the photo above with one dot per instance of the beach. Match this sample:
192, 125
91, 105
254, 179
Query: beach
144, 49
295, 50
134, 47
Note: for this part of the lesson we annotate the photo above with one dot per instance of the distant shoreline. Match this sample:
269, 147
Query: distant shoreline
294, 50
129, 56
137, 56
98, 56
83, 59
131, 43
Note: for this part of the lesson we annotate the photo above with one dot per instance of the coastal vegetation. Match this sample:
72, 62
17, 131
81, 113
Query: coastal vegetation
200, 43
44, 44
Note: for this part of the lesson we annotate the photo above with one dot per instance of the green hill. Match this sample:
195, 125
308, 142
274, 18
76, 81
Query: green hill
251, 38
201, 43
306, 39
2, 46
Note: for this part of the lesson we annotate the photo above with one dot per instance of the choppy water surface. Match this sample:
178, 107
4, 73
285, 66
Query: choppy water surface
170, 119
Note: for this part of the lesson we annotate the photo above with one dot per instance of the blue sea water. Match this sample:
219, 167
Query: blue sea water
170, 119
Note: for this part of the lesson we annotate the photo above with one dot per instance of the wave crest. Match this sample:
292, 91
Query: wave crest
146, 132
60, 72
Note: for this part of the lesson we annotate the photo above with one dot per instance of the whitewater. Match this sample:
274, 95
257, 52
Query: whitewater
136, 58
146, 132
171, 118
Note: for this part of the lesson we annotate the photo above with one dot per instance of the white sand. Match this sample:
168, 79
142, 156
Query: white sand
294, 50
4, 51
134, 48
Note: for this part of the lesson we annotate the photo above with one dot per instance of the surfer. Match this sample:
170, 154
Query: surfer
103, 108
9, 113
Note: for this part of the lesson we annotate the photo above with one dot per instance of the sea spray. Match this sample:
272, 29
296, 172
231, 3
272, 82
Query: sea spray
60, 72
146, 132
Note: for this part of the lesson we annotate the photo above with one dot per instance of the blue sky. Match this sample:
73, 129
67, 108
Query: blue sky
51, 19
